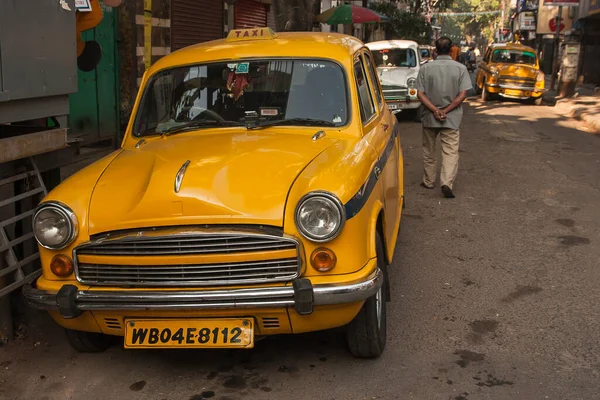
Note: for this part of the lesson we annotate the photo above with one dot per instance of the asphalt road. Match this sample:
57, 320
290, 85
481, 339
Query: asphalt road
494, 294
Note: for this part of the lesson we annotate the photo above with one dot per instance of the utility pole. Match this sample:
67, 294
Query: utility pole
556, 47
502, 17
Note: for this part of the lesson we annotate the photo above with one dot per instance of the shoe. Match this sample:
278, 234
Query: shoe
425, 186
448, 193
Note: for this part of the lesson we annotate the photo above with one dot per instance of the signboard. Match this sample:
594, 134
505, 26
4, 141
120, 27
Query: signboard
527, 21
527, 5
594, 7
546, 21
564, 3
83, 5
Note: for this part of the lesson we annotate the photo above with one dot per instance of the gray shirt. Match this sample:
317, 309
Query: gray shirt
442, 80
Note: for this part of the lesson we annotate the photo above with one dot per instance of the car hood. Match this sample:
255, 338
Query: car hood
396, 76
516, 70
240, 177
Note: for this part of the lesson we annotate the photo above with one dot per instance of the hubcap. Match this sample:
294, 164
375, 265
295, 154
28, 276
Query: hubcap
379, 305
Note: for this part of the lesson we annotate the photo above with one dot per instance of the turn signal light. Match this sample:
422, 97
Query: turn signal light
61, 265
323, 259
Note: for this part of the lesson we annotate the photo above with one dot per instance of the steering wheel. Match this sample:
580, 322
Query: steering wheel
210, 113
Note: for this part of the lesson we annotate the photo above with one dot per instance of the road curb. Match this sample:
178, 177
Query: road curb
582, 108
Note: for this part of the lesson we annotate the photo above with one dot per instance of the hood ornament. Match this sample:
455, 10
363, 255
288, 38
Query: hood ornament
180, 175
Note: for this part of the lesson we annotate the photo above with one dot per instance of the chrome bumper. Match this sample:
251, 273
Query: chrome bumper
302, 295
515, 87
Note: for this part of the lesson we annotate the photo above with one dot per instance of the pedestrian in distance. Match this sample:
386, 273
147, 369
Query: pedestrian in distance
442, 87
454, 52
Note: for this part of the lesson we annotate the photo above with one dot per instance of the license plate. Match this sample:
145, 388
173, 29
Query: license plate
169, 333
514, 93
395, 106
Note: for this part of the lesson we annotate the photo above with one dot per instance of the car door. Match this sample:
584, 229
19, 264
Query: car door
379, 131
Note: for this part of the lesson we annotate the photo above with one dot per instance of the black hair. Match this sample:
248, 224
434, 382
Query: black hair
443, 45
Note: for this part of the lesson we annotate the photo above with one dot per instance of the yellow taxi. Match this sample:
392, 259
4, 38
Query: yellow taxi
258, 191
510, 70
426, 53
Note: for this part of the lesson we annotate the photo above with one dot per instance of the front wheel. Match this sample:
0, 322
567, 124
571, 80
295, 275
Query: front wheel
88, 342
485, 95
537, 101
367, 333
417, 114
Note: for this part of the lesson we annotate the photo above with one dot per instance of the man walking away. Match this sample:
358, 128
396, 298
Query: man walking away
442, 87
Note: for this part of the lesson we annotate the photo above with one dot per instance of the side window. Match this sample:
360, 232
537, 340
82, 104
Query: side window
374, 78
367, 109
486, 58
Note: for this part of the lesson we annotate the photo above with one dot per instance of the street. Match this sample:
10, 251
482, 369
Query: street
494, 294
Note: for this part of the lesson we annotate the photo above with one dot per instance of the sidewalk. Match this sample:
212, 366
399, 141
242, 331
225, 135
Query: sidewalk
583, 106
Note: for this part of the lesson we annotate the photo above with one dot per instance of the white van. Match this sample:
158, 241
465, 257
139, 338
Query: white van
398, 63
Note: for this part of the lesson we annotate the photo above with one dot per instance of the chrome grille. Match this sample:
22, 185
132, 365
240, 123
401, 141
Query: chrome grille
515, 80
208, 259
188, 245
394, 92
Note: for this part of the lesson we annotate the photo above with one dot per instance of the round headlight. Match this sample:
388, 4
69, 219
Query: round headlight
411, 82
320, 216
540, 77
54, 225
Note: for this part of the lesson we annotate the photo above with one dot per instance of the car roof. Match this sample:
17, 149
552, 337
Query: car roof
333, 46
388, 44
513, 46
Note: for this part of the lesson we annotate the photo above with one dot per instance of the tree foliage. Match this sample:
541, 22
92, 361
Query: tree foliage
403, 25
473, 26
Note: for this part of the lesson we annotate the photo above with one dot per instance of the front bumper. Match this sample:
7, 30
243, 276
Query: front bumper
70, 302
532, 90
410, 104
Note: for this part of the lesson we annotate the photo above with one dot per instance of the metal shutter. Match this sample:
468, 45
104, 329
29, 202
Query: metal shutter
271, 19
250, 14
195, 21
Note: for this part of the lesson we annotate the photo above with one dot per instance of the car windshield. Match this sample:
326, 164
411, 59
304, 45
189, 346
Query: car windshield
425, 53
228, 93
395, 58
514, 57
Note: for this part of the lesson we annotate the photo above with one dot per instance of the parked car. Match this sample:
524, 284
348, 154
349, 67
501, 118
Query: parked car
512, 71
258, 191
426, 53
398, 63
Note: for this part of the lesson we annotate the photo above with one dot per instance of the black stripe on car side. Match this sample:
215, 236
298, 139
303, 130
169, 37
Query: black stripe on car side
357, 202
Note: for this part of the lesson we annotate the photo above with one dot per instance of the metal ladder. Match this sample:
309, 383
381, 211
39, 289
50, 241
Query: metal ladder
21, 267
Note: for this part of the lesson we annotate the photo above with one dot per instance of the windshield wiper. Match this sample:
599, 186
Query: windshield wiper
295, 121
198, 124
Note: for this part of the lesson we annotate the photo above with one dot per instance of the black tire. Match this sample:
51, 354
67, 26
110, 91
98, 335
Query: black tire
366, 334
477, 89
417, 114
485, 95
88, 342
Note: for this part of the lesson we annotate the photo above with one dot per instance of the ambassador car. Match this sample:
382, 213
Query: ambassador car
398, 63
512, 71
258, 191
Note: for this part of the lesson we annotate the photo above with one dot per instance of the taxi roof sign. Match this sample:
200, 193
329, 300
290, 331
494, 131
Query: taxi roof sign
238, 35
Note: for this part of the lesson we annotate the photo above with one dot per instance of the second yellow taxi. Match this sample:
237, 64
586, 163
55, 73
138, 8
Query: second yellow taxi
510, 70
258, 191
